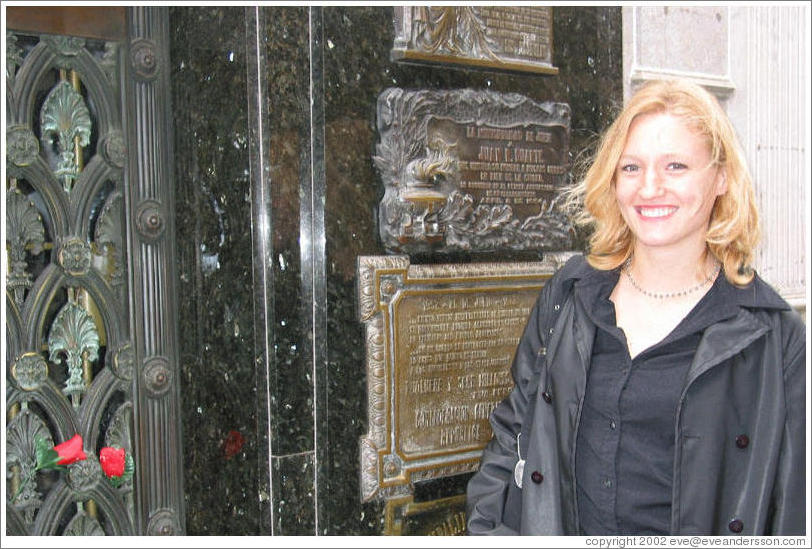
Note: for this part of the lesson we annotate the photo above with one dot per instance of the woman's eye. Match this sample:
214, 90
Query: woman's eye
629, 168
676, 166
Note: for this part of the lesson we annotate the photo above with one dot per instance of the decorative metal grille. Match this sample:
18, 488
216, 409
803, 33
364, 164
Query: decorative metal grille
69, 359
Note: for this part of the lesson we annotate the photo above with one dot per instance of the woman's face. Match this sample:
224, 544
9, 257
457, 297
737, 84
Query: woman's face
665, 184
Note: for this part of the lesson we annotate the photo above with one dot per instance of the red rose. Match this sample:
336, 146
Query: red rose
70, 451
112, 461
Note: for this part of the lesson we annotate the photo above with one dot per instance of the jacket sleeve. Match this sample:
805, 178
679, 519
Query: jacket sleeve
489, 509
789, 495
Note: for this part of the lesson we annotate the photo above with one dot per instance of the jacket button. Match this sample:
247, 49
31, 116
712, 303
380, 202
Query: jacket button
537, 477
548, 398
736, 526
742, 441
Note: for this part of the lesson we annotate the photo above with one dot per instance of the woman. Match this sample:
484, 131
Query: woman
659, 383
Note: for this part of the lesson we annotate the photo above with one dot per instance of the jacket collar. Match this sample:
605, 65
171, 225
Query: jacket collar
756, 295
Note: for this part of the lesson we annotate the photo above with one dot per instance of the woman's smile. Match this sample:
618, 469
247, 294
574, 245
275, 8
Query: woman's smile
655, 212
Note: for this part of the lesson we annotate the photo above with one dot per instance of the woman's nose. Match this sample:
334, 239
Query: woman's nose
651, 184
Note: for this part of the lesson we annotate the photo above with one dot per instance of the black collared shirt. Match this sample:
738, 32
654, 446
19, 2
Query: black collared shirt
625, 442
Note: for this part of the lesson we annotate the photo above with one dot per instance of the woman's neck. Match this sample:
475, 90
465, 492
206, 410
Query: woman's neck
669, 270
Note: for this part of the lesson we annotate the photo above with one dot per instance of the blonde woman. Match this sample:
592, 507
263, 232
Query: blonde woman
659, 383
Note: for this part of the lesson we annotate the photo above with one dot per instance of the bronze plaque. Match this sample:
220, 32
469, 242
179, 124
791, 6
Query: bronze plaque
470, 170
440, 517
512, 38
440, 343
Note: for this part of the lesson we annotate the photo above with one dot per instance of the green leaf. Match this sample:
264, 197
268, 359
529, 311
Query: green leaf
129, 467
47, 458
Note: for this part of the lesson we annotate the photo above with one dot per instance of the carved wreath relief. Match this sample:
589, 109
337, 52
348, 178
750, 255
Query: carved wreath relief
469, 170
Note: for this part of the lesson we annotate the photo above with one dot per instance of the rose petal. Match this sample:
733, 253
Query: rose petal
71, 450
112, 461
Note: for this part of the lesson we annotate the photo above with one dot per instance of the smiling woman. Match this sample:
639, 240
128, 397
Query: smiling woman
666, 184
700, 129
659, 383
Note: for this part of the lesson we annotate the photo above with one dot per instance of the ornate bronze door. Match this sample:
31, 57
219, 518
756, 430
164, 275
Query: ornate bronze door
90, 307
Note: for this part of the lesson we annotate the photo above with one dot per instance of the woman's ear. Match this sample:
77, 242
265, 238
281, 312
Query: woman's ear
721, 181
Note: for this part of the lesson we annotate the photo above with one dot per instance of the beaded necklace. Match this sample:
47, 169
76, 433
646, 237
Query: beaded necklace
627, 271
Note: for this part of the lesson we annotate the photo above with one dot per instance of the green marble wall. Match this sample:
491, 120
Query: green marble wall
274, 388
213, 220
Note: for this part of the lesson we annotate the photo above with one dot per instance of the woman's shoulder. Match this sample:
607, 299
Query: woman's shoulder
764, 300
574, 267
756, 295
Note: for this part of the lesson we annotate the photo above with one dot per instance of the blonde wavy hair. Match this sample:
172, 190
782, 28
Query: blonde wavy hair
733, 231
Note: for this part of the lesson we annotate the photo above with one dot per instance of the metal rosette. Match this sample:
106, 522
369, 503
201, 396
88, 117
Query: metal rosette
29, 371
157, 376
164, 522
150, 220
83, 476
144, 58
75, 256
22, 146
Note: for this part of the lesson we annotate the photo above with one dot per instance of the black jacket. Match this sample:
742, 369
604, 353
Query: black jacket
747, 378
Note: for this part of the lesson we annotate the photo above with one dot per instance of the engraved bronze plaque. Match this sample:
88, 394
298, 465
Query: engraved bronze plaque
511, 38
471, 170
440, 340
440, 517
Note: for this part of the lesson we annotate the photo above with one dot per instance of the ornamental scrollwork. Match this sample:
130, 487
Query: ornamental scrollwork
118, 432
367, 267
65, 117
369, 469
68, 46
376, 406
124, 362
109, 238
14, 55
376, 380
74, 334
390, 284
109, 62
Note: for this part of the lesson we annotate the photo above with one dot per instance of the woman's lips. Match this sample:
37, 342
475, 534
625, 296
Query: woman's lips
655, 212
